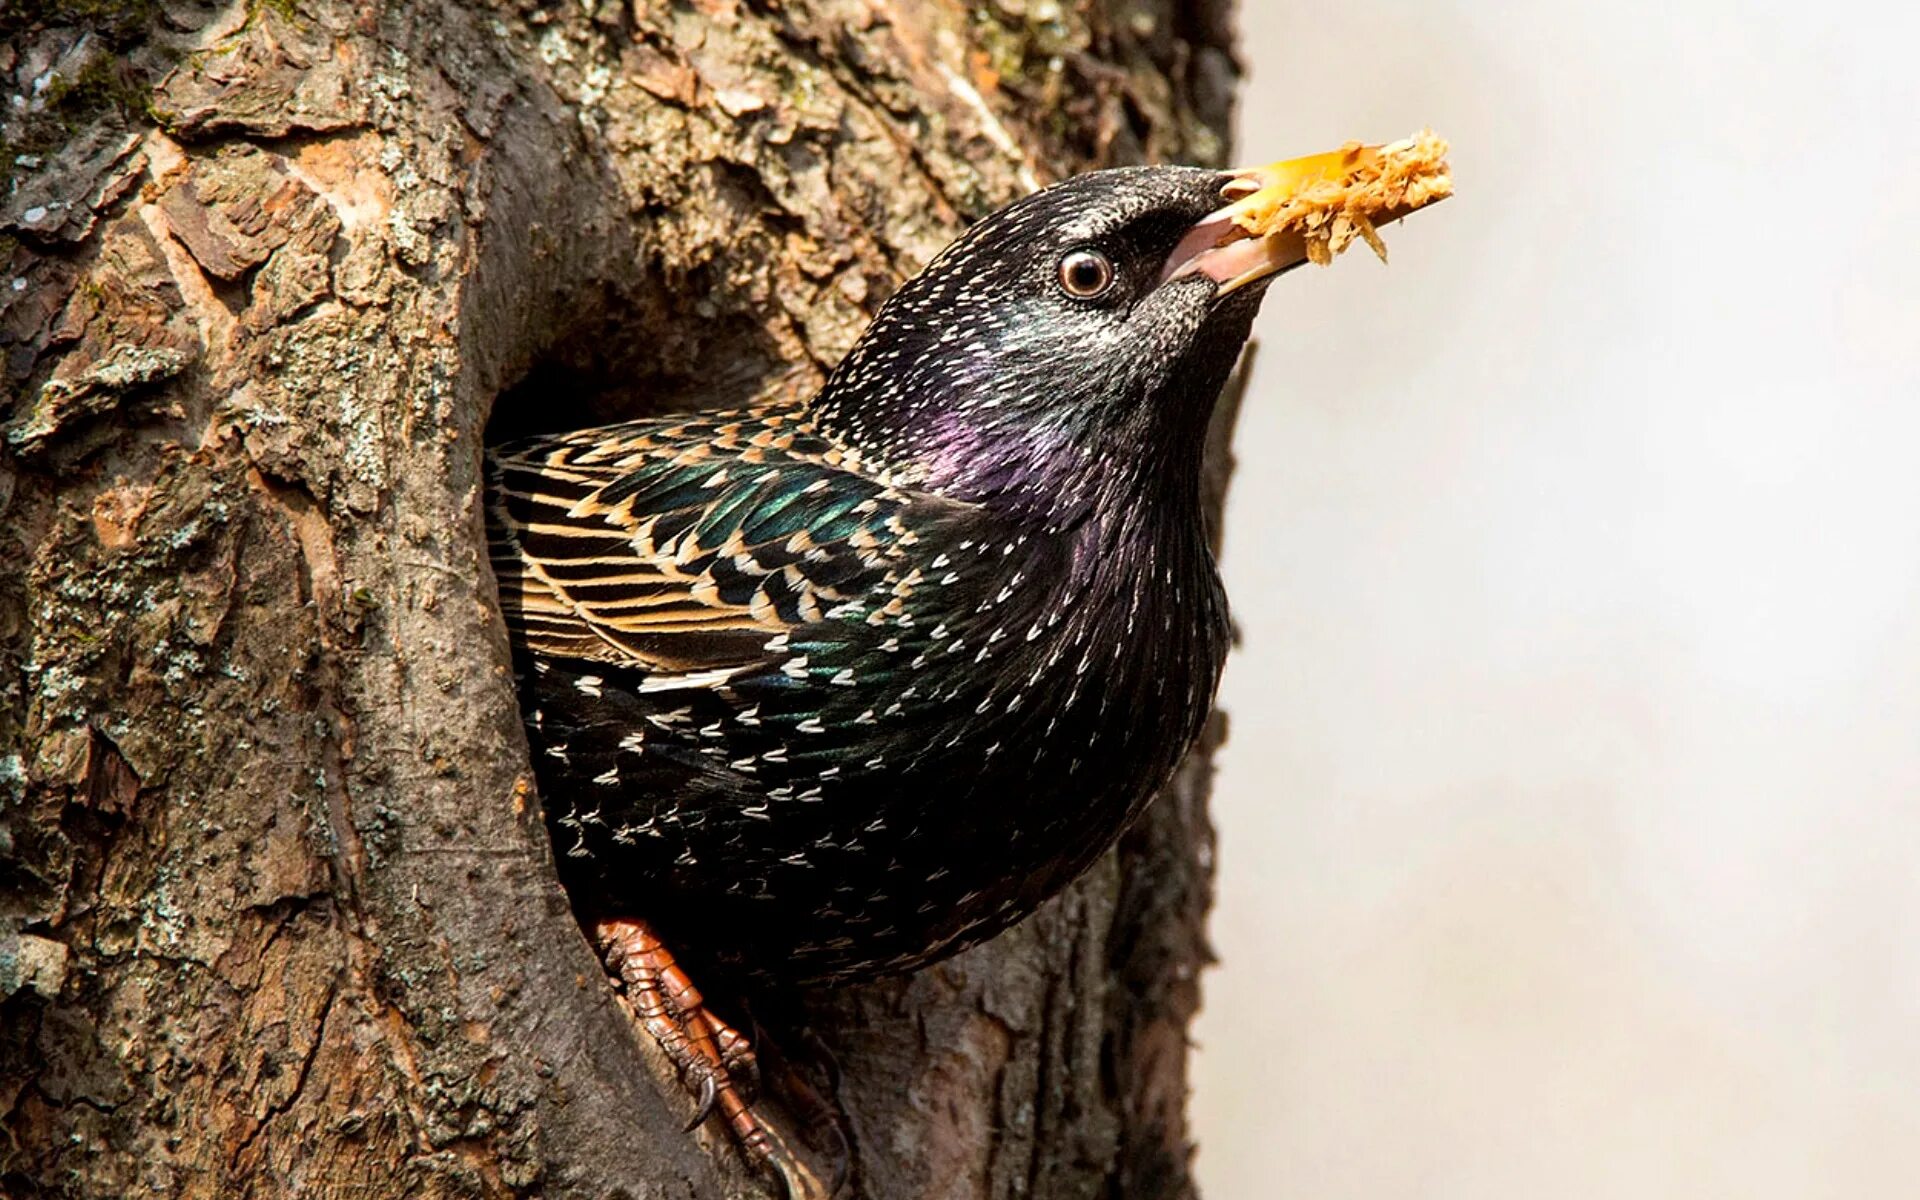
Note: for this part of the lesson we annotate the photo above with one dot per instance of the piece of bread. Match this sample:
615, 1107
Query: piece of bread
1331, 200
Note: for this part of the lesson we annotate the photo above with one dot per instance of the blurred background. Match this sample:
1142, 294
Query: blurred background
1570, 817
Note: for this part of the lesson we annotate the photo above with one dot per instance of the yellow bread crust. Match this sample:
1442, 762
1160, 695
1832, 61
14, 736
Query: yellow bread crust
1331, 200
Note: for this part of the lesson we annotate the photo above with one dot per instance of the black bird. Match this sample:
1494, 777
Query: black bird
832, 689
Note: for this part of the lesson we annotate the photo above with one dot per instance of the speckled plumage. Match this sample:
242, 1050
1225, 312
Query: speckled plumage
831, 689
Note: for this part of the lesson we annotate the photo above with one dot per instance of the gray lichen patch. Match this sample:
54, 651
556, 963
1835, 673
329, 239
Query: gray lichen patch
124, 331
94, 389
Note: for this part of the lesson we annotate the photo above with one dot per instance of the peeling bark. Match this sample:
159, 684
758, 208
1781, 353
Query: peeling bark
280, 917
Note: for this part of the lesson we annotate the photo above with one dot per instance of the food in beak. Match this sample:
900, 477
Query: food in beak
1311, 209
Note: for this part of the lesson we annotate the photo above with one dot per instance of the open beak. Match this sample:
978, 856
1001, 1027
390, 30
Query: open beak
1300, 209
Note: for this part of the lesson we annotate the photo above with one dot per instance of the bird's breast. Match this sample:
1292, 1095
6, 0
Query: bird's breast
1067, 692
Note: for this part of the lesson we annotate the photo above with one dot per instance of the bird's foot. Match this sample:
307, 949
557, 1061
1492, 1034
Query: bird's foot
712, 1057
714, 1060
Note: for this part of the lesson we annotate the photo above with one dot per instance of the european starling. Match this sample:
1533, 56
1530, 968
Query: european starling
831, 689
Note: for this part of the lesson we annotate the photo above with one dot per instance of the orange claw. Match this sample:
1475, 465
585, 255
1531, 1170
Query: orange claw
710, 1055
706, 1051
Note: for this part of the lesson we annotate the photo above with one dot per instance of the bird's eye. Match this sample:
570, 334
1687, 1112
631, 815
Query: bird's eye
1085, 274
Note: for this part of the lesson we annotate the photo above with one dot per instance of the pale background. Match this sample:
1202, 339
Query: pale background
1570, 825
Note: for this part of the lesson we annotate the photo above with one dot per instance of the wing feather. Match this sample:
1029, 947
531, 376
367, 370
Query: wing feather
662, 546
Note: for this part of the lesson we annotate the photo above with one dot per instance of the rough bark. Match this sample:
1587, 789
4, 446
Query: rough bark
280, 913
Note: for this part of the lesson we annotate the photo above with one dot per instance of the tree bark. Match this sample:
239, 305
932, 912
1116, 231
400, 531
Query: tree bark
281, 917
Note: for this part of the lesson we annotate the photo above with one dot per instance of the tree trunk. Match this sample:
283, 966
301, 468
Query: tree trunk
280, 913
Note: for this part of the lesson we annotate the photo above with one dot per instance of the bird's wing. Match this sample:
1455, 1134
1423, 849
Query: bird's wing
682, 547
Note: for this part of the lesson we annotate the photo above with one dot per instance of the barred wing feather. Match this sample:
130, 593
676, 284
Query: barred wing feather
686, 546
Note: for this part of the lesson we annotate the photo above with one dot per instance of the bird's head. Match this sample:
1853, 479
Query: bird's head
1076, 338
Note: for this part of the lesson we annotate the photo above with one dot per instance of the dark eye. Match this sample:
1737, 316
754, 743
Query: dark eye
1085, 274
